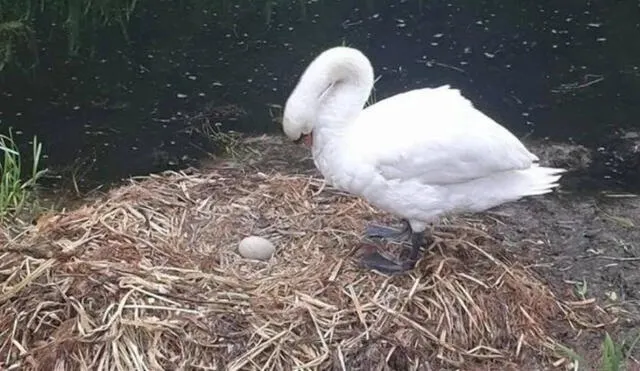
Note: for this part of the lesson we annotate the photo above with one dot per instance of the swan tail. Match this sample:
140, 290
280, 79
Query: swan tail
536, 180
510, 186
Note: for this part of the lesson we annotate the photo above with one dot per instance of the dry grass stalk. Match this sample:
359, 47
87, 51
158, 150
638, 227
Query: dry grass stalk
148, 278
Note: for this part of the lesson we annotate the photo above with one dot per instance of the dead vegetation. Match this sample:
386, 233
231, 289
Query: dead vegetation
147, 277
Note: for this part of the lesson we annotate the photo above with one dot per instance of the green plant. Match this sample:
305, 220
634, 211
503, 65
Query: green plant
227, 141
16, 187
580, 289
614, 356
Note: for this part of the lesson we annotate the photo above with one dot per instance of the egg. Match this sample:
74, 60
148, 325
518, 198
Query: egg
258, 248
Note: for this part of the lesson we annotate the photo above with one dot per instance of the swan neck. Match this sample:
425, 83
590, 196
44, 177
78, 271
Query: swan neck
349, 76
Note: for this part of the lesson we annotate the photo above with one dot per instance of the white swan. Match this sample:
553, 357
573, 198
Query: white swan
419, 154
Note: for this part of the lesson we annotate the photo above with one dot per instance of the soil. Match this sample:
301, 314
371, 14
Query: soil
587, 243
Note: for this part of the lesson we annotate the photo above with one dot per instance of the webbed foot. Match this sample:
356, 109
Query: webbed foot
372, 259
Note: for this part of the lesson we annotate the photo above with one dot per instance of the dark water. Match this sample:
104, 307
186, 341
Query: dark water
568, 71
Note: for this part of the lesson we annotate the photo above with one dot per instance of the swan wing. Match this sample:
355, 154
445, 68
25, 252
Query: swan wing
436, 136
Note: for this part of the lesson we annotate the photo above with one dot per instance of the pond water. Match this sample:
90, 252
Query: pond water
567, 71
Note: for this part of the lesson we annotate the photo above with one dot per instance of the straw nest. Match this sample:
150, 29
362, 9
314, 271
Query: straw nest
147, 277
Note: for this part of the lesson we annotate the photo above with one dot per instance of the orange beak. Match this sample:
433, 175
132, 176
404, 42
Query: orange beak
307, 139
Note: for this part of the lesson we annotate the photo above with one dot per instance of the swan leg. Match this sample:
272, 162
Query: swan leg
417, 241
372, 259
378, 231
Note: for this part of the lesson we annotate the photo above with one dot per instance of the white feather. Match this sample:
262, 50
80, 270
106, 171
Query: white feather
418, 154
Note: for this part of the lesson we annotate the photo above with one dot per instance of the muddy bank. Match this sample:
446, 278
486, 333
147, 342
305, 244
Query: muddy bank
585, 244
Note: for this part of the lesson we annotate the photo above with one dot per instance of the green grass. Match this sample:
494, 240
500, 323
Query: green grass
615, 357
16, 187
226, 141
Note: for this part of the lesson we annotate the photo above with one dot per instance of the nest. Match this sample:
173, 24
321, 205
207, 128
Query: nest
148, 277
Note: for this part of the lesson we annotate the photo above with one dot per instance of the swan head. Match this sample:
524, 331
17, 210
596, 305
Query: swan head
301, 111
337, 81
298, 120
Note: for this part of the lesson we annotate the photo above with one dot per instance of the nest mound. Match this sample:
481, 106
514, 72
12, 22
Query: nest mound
147, 277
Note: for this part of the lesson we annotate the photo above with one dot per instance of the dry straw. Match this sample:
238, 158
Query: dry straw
148, 278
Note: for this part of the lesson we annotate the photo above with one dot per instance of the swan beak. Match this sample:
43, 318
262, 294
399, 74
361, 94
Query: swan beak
306, 139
